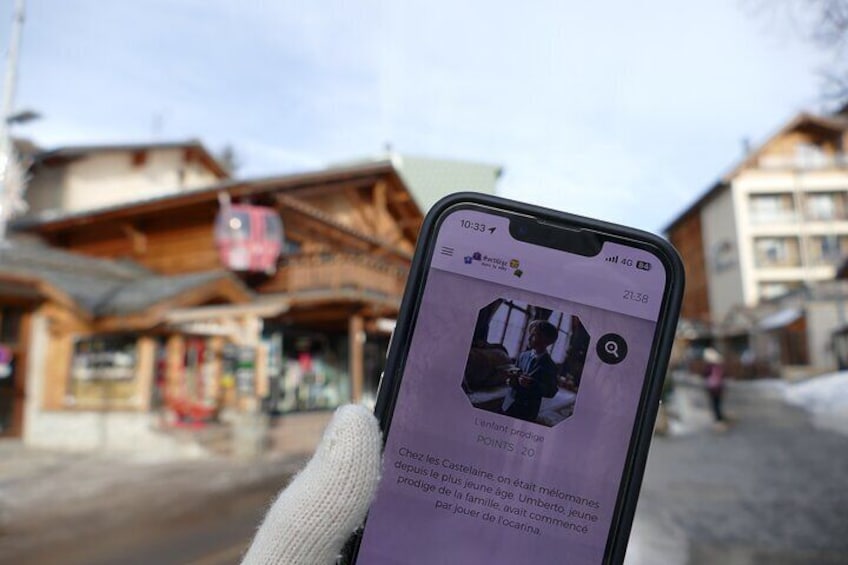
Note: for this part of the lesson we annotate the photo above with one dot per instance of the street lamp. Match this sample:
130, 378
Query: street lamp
22, 117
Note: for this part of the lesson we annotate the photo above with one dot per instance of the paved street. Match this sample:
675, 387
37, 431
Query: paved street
211, 531
97, 509
769, 490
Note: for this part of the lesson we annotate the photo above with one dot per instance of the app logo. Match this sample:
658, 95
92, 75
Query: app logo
495, 263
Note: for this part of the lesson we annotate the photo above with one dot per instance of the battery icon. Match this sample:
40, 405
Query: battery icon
643, 265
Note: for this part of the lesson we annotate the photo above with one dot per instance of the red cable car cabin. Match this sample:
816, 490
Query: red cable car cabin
249, 238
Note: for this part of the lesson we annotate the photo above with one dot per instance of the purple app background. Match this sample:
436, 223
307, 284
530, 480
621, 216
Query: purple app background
584, 455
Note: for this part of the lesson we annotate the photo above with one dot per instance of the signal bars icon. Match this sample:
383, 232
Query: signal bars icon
612, 259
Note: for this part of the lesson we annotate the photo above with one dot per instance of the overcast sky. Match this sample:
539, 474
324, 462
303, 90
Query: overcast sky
624, 110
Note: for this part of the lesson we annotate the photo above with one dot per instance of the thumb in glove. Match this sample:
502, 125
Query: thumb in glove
311, 519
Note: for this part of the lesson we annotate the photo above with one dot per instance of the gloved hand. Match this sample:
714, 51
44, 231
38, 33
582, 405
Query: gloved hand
313, 517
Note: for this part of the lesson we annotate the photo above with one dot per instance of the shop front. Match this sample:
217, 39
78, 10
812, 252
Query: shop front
90, 359
315, 368
334, 272
107, 372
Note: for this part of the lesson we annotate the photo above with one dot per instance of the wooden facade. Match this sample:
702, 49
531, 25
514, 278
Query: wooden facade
686, 235
349, 237
65, 363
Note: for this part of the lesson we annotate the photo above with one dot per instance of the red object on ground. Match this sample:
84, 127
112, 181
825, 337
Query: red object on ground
191, 413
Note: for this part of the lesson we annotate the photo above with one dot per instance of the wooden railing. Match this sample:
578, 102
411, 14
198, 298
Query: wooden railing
300, 273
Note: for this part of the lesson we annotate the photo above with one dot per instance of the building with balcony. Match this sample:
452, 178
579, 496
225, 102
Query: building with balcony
307, 330
774, 224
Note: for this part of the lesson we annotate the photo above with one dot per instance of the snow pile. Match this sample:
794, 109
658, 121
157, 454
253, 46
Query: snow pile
825, 398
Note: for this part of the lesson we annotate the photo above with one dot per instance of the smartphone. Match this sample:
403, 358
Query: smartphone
521, 388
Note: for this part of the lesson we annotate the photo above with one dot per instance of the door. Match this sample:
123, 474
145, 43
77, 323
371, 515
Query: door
12, 371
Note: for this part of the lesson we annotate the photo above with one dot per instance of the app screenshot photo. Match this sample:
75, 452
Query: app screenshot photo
525, 362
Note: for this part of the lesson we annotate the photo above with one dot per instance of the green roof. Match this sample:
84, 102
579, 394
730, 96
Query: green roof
430, 179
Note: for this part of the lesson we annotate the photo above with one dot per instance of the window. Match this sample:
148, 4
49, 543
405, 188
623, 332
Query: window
722, 256
273, 227
108, 358
103, 372
824, 206
139, 158
777, 252
233, 225
772, 208
291, 247
827, 249
508, 327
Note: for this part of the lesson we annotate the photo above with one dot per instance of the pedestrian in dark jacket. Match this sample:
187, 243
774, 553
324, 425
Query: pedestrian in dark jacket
714, 374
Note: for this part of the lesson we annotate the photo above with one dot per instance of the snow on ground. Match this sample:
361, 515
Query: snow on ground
825, 398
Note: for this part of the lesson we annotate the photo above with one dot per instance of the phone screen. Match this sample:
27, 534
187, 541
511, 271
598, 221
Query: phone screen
520, 389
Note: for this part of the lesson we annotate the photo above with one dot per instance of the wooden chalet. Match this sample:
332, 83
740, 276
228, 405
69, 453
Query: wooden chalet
82, 335
309, 331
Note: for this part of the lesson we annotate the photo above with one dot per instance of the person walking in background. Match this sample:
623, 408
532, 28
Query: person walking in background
714, 373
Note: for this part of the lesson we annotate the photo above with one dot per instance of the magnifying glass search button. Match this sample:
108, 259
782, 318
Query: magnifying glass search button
611, 349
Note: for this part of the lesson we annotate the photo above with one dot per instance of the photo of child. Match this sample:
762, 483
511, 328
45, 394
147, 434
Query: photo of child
525, 362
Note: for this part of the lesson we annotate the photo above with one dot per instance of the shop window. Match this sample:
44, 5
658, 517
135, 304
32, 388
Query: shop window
199, 371
103, 372
313, 373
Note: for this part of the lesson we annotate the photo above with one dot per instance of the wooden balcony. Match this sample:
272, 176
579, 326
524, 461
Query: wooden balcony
320, 273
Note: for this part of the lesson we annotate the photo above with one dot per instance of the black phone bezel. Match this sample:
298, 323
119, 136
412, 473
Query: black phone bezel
646, 414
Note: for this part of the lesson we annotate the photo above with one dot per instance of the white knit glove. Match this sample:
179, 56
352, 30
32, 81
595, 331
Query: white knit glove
311, 519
